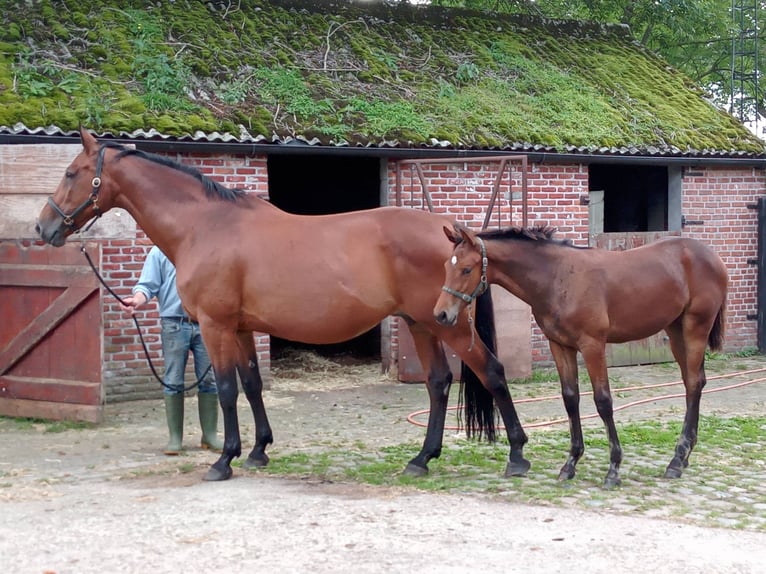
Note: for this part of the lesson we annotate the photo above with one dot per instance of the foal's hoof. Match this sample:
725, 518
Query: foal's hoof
517, 468
567, 472
251, 462
415, 470
216, 475
673, 472
676, 468
612, 482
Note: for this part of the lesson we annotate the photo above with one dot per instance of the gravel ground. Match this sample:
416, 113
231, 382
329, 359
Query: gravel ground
106, 500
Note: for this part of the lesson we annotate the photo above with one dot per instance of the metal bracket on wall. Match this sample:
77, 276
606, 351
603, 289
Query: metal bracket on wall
685, 222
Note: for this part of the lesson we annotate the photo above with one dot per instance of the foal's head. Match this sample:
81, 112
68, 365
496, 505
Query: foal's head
466, 270
465, 275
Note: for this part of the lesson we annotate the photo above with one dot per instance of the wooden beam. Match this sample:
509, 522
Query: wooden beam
51, 411
53, 390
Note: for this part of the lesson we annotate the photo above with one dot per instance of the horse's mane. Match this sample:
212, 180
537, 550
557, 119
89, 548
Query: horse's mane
213, 189
536, 233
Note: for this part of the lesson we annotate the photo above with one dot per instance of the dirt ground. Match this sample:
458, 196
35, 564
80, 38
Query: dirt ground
102, 499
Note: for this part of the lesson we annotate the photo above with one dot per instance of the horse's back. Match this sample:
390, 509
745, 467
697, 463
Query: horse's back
700, 261
646, 288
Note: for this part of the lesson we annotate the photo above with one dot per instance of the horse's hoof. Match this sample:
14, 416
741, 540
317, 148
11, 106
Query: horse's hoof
250, 462
612, 482
566, 473
673, 472
517, 468
216, 475
415, 470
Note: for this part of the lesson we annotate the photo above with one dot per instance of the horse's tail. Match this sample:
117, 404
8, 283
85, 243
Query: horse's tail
715, 339
476, 401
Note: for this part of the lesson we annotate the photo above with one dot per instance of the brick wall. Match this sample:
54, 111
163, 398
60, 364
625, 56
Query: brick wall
721, 198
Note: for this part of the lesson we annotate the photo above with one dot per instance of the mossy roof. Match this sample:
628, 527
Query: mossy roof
347, 72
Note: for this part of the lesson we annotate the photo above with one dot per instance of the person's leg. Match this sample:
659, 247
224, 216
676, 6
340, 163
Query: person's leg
175, 351
207, 397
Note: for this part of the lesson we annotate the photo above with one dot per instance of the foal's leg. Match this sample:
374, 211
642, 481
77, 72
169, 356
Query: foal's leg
595, 360
566, 365
688, 346
252, 384
439, 378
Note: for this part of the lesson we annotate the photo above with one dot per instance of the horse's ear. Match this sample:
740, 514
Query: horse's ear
466, 235
451, 235
88, 141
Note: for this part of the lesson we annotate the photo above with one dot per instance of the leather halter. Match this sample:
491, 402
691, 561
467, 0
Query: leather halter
481, 287
92, 198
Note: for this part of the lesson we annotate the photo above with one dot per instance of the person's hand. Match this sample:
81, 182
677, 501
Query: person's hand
133, 302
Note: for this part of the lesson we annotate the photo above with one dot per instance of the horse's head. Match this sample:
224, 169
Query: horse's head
466, 275
79, 197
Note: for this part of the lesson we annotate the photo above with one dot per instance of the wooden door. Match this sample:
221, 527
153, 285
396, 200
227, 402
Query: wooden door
51, 335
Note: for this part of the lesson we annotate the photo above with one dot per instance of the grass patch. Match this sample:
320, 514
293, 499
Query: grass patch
721, 486
27, 423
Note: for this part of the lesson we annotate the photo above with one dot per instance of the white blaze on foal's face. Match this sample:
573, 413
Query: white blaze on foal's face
454, 260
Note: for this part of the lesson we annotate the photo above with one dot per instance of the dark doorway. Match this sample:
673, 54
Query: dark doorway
317, 185
635, 197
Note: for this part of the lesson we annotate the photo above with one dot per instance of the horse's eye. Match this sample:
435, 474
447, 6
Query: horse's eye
69, 174
466, 270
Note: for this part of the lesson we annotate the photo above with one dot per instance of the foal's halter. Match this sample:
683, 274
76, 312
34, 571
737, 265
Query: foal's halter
92, 198
481, 287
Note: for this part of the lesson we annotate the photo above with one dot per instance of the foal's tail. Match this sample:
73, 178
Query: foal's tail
715, 339
476, 401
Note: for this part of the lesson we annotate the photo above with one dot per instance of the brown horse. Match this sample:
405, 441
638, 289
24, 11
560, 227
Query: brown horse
243, 265
584, 298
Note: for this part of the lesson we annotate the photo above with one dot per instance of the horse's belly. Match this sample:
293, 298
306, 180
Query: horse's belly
318, 325
639, 324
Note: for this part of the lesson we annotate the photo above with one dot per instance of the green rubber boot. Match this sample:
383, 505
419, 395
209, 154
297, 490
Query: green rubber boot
174, 412
208, 420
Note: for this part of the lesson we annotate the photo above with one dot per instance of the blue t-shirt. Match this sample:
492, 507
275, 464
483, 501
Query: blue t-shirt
158, 279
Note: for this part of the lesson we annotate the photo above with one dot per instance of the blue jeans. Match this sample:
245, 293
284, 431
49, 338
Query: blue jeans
178, 338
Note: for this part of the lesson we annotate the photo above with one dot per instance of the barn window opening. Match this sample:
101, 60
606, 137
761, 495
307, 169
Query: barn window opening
635, 197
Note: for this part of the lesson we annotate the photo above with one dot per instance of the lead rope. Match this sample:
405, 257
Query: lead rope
471, 309
138, 327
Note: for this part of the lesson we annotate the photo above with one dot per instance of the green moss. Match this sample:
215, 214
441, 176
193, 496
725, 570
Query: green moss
354, 72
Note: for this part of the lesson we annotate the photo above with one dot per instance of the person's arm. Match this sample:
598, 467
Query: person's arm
148, 285
131, 303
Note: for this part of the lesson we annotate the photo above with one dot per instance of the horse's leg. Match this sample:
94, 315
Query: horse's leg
566, 365
691, 359
595, 360
438, 381
223, 351
252, 384
492, 374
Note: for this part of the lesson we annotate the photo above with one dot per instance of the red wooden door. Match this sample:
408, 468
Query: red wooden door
51, 332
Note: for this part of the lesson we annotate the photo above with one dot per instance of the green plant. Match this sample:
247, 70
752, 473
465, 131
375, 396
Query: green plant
164, 78
233, 92
385, 118
29, 82
467, 72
